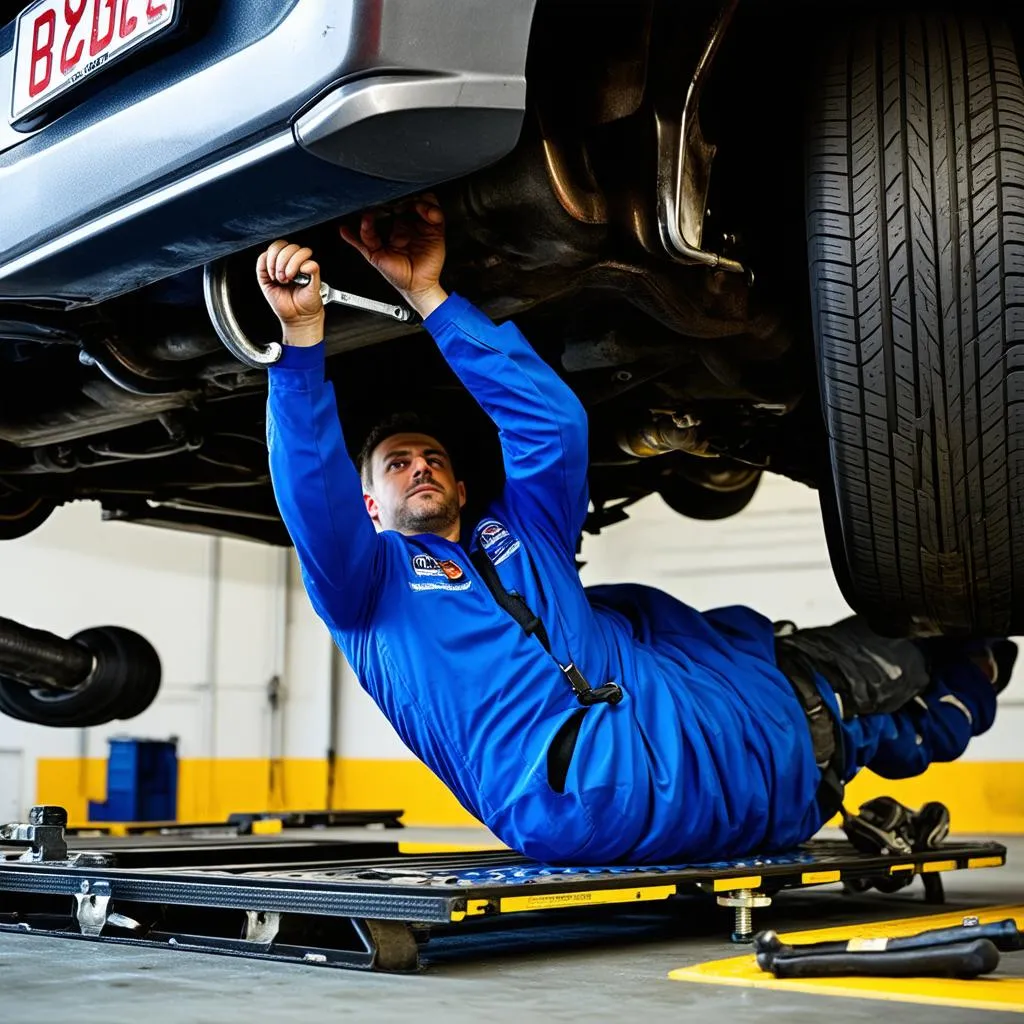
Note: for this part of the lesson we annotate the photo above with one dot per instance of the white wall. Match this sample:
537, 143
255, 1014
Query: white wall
772, 556
214, 609
209, 627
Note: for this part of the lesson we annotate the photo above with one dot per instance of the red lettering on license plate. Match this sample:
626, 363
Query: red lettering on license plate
61, 42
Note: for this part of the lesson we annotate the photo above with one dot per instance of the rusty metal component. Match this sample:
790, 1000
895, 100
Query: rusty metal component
573, 182
117, 361
684, 164
695, 305
662, 434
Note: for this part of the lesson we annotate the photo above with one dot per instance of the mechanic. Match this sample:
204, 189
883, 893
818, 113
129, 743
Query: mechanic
623, 726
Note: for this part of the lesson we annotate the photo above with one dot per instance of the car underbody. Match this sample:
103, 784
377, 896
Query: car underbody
722, 223
696, 369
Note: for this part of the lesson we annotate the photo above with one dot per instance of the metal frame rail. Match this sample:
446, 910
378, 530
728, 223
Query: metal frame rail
245, 823
364, 905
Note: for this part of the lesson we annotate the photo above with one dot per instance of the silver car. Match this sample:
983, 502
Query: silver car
754, 237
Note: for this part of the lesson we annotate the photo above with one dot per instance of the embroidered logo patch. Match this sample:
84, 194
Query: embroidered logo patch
442, 574
427, 565
496, 540
451, 569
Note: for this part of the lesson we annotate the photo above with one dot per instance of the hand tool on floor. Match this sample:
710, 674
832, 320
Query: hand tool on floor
1004, 935
329, 295
959, 960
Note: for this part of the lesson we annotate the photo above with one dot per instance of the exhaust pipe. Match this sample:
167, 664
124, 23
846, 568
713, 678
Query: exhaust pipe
41, 659
664, 434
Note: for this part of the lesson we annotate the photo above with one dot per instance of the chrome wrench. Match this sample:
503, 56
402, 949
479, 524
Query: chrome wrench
329, 295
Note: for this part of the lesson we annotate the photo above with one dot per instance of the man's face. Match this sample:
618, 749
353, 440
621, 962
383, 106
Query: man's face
413, 487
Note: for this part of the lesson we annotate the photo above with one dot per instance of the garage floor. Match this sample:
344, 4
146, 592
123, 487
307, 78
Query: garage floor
584, 969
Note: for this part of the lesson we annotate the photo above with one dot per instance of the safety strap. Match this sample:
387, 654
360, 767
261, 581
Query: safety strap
515, 605
826, 735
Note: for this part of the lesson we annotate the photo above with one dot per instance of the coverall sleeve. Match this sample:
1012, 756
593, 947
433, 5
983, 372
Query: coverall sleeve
541, 424
318, 489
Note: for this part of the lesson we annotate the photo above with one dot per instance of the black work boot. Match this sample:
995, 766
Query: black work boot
1004, 654
929, 826
882, 825
885, 826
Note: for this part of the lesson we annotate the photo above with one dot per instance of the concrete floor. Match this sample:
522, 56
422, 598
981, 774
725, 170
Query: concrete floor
582, 970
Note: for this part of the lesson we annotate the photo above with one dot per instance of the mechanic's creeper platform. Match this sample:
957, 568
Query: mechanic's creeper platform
363, 904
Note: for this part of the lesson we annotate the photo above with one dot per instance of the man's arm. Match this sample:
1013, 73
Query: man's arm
541, 424
316, 485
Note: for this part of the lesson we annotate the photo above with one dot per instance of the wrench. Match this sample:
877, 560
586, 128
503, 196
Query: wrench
329, 295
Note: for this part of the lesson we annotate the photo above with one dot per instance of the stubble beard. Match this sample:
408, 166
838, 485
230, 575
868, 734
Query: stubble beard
428, 518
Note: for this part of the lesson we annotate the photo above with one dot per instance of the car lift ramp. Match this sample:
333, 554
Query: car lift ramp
362, 904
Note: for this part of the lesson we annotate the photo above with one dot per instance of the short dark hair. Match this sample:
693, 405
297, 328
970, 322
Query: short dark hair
407, 422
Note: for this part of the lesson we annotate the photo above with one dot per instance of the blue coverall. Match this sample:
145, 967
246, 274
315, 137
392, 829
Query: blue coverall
707, 756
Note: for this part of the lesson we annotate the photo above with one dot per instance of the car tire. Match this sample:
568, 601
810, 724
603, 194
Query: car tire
915, 218
123, 683
21, 513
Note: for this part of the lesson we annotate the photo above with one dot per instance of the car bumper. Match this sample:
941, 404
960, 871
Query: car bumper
338, 105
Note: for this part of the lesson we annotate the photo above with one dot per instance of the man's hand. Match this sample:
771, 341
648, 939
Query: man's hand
299, 309
412, 256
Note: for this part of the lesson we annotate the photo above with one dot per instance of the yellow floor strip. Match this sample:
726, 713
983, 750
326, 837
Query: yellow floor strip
1004, 991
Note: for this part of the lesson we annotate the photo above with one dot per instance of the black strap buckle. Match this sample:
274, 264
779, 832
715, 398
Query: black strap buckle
610, 693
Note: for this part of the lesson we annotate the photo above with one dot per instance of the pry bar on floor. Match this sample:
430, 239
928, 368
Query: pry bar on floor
1004, 935
960, 960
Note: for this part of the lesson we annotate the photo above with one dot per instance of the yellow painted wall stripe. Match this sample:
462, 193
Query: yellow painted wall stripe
1001, 993
982, 796
730, 884
817, 877
213, 790
589, 898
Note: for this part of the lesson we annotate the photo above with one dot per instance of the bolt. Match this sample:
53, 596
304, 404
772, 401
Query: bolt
48, 814
744, 919
623, 376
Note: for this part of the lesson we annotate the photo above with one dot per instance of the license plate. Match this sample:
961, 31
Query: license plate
60, 43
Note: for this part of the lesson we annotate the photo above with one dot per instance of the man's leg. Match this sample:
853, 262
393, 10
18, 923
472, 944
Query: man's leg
903, 703
937, 725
